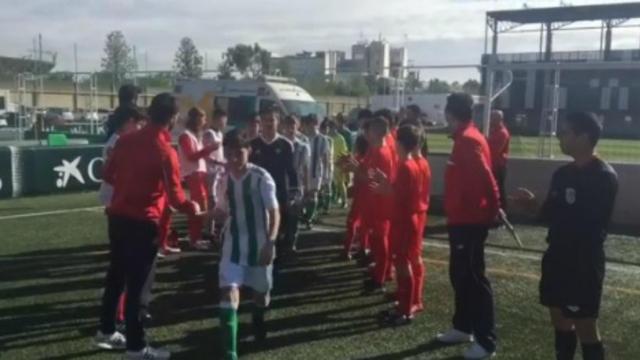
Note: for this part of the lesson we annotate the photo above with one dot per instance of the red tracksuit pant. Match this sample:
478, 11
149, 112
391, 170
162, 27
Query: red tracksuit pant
197, 184
407, 236
377, 228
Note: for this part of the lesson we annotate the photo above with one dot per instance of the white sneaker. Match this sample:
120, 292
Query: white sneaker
476, 351
161, 254
148, 353
202, 245
454, 336
115, 341
172, 250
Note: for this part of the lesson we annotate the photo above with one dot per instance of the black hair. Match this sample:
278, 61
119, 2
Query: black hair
361, 146
127, 94
194, 114
378, 124
586, 123
386, 114
460, 106
365, 114
120, 116
270, 110
310, 118
218, 113
163, 108
236, 139
414, 109
290, 119
409, 136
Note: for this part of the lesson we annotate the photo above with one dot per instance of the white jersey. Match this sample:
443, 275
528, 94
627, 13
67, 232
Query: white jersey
246, 200
209, 137
188, 167
106, 190
320, 160
301, 161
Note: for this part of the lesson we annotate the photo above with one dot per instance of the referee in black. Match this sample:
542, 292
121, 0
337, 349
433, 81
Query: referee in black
577, 211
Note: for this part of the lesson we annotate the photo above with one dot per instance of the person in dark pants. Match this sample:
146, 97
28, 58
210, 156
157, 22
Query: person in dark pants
144, 173
499, 139
471, 205
274, 153
577, 210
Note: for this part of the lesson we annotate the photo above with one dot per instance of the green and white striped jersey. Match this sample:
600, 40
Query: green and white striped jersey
246, 200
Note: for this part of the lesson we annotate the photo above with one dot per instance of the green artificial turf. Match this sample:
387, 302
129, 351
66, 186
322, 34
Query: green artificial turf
52, 273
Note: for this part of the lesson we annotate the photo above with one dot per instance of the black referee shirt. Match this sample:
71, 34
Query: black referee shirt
578, 210
277, 158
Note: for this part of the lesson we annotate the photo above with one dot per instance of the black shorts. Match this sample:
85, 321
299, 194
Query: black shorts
576, 290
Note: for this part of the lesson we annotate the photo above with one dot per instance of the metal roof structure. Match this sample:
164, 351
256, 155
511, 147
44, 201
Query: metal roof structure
563, 14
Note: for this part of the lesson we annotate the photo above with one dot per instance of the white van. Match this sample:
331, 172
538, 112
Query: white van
243, 98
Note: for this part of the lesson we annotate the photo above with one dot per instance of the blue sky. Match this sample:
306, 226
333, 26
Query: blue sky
435, 31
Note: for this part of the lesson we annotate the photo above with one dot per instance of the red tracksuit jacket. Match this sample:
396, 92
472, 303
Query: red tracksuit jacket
145, 174
499, 139
471, 194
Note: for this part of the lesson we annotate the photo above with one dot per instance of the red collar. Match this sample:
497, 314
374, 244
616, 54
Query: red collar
462, 128
159, 131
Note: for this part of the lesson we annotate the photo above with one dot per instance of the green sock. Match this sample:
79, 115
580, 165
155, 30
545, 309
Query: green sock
229, 325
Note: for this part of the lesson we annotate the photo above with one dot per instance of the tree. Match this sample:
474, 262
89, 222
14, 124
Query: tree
250, 61
471, 86
118, 59
437, 86
225, 71
188, 61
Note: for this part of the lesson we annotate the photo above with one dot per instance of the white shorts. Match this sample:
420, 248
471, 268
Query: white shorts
259, 278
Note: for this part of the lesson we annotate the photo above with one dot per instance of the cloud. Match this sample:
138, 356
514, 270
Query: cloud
435, 31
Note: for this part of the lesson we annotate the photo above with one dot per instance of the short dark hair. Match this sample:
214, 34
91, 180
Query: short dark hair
192, 116
387, 114
583, 122
378, 124
267, 110
311, 118
290, 120
415, 109
127, 94
120, 116
365, 114
218, 113
253, 117
409, 137
236, 139
460, 106
163, 108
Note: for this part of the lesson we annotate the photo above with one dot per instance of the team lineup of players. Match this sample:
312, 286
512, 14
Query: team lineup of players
254, 186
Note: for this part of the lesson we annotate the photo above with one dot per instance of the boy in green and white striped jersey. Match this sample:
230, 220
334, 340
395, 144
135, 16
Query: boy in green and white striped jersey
249, 208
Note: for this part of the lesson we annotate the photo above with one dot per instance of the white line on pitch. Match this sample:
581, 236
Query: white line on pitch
53, 212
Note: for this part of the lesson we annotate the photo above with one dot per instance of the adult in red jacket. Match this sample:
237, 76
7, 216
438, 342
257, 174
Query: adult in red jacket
471, 205
499, 138
144, 173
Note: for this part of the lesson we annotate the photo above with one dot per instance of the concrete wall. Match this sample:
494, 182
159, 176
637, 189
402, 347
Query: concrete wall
535, 175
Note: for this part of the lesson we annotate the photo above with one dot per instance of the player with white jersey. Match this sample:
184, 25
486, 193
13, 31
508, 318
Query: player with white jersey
193, 170
248, 205
301, 163
214, 135
320, 164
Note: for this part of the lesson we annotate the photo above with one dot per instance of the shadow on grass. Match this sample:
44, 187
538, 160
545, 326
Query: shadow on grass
55, 299
36, 287
431, 346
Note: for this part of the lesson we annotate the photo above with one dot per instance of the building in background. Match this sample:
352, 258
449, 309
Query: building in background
398, 61
307, 66
547, 84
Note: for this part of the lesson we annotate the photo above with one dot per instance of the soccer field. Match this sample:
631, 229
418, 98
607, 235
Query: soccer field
52, 271
613, 150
